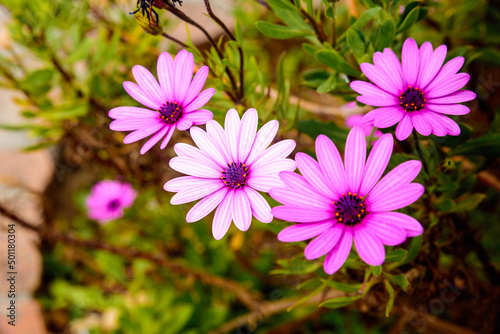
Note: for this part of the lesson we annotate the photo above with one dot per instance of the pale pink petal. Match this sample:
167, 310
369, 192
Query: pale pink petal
448, 109
310, 169
324, 243
262, 140
299, 199
188, 151
242, 212
199, 117
389, 234
377, 163
420, 123
264, 183
216, 132
404, 128
301, 232
300, 215
331, 163
297, 182
205, 143
396, 199
223, 216
142, 133
140, 96
194, 193
184, 123
412, 227
273, 167
131, 112
410, 61
260, 208
206, 205
194, 167
354, 158
182, 182
133, 123
200, 100
280, 150
155, 139
183, 66
148, 83
166, 75
232, 128
247, 133
337, 256
196, 85
378, 102
167, 138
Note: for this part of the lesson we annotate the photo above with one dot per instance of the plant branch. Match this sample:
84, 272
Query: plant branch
173, 39
417, 146
318, 29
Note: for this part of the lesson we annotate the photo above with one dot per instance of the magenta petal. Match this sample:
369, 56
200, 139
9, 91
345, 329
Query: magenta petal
338, 255
323, 243
262, 140
280, 150
299, 199
430, 68
313, 174
260, 208
380, 78
420, 123
148, 84
205, 143
142, 133
131, 112
388, 116
448, 109
195, 193
370, 90
297, 182
378, 102
242, 212
140, 96
223, 216
331, 163
155, 139
186, 150
396, 199
404, 128
447, 71
301, 232
458, 97
410, 61
247, 133
451, 127
167, 138
133, 123
354, 158
194, 167
166, 75
300, 215
264, 183
438, 129
369, 247
389, 234
206, 205
454, 84
412, 227
199, 117
273, 168
377, 163
197, 84
183, 65
200, 100
184, 124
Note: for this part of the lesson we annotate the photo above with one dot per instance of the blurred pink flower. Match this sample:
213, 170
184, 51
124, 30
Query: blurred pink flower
355, 120
227, 168
336, 203
176, 101
417, 92
108, 199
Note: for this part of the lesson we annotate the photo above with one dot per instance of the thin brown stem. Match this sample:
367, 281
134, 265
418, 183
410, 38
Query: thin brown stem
318, 28
173, 39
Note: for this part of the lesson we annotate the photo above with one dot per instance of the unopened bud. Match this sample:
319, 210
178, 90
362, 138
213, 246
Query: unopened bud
149, 26
448, 166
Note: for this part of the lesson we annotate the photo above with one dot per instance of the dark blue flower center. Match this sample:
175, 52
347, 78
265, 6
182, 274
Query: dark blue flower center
114, 204
170, 112
235, 176
349, 209
412, 99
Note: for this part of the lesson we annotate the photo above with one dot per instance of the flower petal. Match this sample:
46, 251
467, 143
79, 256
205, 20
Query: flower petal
166, 75
194, 193
131, 112
458, 97
404, 128
324, 243
183, 182
242, 212
196, 85
264, 183
373, 93
155, 139
448, 109
301, 232
354, 158
280, 150
369, 247
199, 117
206, 205
140, 96
232, 128
379, 78
299, 199
300, 215
412, 227
397, 199
451, 127
331, 164
377, 163
216, 132
430, 67
273, 167
184, 124
262, 140
337, 256
194, 167
200, 100
410, 61
310, 169
388, 116
389, 234
149, 84
223, 216
133, 123
260, 208
438, 129
297, 182
167, 138
142, 133
247, 133
205, 143
454, 84
419, 122
183, 65
447, 71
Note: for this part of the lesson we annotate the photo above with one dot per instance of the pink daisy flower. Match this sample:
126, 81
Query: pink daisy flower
108, 199
356, 120
175, 101
417, 92
336, 203
227, 169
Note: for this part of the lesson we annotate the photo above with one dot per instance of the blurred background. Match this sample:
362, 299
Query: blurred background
62, 65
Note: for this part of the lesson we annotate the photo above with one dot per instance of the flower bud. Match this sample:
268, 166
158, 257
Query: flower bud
149, 26
448, 166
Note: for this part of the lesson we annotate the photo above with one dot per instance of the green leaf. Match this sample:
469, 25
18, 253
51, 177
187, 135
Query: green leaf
401, 280
363, 20
288, 13
396, 255
280, 32
486, 145
314, 128
444, 204
376, 270
386, 35
339, 302
390, 302
355, 43
333, 59
238, 32
414, 248
343, 286
469, 204
328, 85
309, 48
409, 20
65, 112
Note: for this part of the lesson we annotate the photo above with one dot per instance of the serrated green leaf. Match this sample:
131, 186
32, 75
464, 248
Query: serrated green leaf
333, 59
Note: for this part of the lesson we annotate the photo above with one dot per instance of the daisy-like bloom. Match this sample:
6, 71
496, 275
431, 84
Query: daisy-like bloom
418, 92
336, 203
175, 101
228, 168
356, 120
108, 199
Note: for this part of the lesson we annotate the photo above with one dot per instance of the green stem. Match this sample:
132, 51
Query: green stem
417, 146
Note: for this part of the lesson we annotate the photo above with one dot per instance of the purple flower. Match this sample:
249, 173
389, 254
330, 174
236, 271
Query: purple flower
108, 199
228, 168
417, 93
176, 101
336, 203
